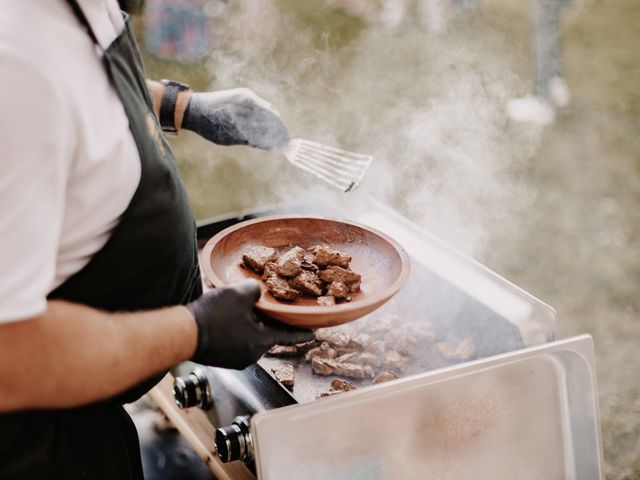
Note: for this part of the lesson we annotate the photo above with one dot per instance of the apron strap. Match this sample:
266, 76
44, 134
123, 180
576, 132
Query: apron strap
82, 18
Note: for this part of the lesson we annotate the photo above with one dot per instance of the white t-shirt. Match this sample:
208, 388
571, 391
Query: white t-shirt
68, 163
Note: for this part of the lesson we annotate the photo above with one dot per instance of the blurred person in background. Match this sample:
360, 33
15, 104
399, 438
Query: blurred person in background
100, 290
550, 89
181, 29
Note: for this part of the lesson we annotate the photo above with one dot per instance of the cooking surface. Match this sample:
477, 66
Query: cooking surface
456, 299
415, 303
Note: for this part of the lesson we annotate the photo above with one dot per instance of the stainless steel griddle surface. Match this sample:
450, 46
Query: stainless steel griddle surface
425, 299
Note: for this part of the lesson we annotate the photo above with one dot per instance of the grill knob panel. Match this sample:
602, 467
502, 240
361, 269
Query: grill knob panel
192, 390
234, 441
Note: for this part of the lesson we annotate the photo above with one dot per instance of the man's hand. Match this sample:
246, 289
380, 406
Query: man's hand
230, 335
235, 117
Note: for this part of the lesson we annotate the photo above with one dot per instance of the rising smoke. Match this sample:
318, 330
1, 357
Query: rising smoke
430, 108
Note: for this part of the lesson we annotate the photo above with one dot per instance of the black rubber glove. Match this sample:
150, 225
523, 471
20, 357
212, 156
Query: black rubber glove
230, 334
235, 117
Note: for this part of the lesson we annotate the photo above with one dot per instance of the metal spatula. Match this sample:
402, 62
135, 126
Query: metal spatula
339, 168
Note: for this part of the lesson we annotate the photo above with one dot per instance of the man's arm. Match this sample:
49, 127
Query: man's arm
226, 117
73, 355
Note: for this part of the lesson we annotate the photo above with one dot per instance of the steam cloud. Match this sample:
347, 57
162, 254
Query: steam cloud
430, 108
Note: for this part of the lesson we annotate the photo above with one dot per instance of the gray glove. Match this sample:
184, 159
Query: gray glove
235, 117
230, 335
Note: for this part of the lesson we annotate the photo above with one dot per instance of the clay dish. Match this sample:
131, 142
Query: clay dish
381, 261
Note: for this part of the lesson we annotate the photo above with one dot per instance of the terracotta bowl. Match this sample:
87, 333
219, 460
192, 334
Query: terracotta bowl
382, 263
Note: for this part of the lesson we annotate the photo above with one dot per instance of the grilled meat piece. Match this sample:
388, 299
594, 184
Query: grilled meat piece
339, 290
394, 361
336, 337
463, 351
257, 257
385, 376
326, 301
285, 374
277, 286
377, 347
339, 385
290, 263
307, 283
325, 256
335, 273
291, 350
361, 358
403, 344
324, 366
323, 351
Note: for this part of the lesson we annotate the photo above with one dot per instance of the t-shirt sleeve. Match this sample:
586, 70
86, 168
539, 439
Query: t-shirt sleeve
37, 138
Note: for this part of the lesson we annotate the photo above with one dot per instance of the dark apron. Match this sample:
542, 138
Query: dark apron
150, 261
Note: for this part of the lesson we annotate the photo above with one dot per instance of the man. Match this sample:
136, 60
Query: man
98, 241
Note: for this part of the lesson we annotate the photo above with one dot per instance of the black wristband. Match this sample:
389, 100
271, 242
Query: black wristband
168, 104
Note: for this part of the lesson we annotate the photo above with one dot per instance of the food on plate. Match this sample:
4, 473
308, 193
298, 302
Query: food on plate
285, 373
326, 300
463, 351
277, 286
324, 256
334, 273
289, 263
318, 271
307, 283
257, 257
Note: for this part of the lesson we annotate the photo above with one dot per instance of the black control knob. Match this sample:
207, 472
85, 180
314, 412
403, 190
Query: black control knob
192, 390
234, 442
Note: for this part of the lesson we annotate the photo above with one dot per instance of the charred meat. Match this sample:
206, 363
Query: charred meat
335, 273
324, 366
290, 263
464, 350
385, 376
285, 374
325, 256
323, 351
339, 290
277, 286
308, 283
257, 257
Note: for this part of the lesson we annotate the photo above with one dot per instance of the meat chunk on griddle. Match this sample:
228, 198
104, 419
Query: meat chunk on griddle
324, 366
290, 262
323, 351
285, 373
394, 361
385, 376
277, 286
291, 350
361, 358
257, 257
325, 256
338, 290
337, 337
335, 273
326, 300
339, 385
307, 283
463, 351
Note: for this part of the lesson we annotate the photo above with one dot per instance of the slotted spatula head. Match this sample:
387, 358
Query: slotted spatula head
339, 168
